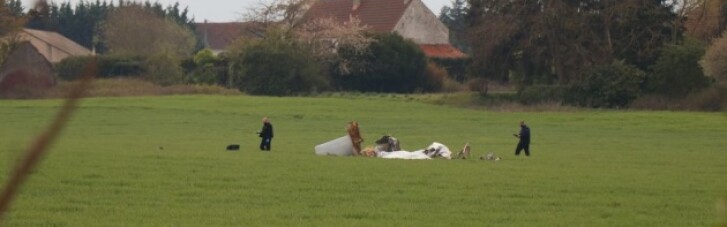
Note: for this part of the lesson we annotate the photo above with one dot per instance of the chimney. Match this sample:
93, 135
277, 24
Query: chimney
356, 4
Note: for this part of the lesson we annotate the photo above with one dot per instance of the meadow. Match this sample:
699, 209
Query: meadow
161, 161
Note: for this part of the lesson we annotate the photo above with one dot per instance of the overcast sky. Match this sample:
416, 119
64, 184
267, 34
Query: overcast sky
230, 10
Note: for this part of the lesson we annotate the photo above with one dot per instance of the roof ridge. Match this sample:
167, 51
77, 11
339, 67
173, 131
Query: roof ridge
55, 34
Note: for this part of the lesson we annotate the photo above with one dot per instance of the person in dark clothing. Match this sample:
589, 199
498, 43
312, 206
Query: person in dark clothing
524, 143
266, 134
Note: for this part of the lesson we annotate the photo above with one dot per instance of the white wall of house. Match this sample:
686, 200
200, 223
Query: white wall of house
421, 25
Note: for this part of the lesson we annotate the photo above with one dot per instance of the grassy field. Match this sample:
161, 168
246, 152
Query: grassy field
161, 162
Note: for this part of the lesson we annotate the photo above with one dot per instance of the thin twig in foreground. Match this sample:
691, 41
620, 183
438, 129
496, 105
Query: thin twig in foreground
39, 147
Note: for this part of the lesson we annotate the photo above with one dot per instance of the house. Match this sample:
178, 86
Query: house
30, 64
53, 46
26, 68
219, 36
409, 18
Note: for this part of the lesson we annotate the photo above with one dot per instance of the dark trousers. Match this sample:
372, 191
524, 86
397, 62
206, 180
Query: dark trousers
523, 146
265, 144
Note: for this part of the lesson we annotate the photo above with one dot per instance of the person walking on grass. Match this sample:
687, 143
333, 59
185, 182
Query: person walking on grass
524, 136
266, 134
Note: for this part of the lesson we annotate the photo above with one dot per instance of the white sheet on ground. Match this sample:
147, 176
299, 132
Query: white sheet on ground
404, 155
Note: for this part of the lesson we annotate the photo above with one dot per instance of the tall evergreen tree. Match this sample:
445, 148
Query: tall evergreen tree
454, 17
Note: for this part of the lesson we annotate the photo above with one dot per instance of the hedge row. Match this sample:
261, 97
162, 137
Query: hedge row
108, 66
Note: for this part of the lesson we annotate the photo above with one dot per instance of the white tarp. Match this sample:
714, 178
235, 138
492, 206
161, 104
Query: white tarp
434, 150
404, 155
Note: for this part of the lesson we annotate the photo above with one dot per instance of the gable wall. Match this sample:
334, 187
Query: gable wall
26, 67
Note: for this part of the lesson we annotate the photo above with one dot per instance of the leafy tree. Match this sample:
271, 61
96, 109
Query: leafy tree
276, 65
608, 86
134, 30
455, 18
163, 68
714, 61
677, 72
205, 69
16, 8
10, 24
40, 16
325, 35
557, 41
393, 64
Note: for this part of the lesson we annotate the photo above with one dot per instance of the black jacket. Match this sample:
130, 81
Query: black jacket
267, 131
524, 134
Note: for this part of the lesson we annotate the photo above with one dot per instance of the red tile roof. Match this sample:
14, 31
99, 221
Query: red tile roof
218, 36
441, 51
380, 15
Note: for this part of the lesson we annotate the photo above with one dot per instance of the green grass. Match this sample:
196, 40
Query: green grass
589, 168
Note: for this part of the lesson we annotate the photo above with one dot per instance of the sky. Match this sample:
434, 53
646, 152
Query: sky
231, 10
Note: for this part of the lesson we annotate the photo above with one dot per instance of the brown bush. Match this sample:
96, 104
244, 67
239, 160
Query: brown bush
452, 86
435, 76
479, 85
712, 99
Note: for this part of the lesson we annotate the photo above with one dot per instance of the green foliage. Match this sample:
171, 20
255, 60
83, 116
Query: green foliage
160, 161
16, 8
677, 72
204, 69
205, 57
393, 64
557, 42
454, 18
608, 86
542, 94
109, 66
456, 68
163, 69
277, 66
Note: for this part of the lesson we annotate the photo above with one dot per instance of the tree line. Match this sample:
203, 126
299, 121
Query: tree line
579, 44
599, 53
82, 22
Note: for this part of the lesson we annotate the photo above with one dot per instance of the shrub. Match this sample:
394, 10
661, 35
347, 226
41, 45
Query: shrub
456, 67
711, 99
542, 94
677, 72
163, 69
479, 85
277, 66
392, 64
609, 86
203, 69
436, 75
